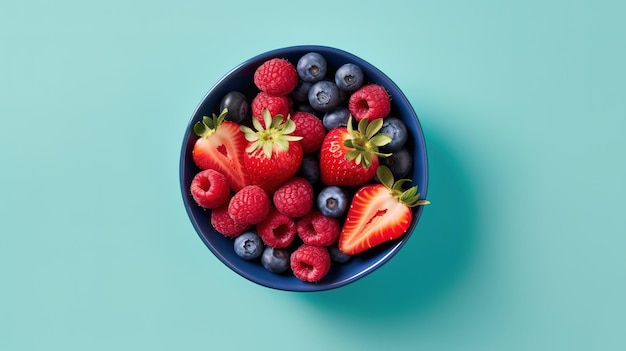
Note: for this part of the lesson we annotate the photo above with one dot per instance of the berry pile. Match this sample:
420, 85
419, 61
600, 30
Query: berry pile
301, 175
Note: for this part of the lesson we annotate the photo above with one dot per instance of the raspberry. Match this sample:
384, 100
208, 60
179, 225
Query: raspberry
311, 129
294, 198
277, 230
249, 205
209, 188
223, 224
369, 101
310, 263
315, 229
276, 76
276, 104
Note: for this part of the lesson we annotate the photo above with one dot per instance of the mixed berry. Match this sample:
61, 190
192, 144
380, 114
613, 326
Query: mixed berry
301, 175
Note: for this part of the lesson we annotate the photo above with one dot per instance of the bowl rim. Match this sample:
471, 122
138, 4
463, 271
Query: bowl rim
371, 267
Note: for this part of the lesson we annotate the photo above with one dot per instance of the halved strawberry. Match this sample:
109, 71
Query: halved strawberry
220, 147
378, 213
350, 157
273, 155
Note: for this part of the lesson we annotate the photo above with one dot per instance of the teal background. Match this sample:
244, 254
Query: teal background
522, 106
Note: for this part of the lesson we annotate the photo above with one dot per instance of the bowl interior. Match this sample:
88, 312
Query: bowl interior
240, 78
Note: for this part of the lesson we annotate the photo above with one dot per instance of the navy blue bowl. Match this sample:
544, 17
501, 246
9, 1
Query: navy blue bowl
240, 78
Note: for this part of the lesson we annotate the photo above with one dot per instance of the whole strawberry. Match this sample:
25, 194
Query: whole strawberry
221, 147
378, 213
349, 157
273, 155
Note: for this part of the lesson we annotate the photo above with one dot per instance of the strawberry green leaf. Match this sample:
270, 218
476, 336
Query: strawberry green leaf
367, 159
267, 118
283, 144
254, 146
409, 200
223, 114
209, 125
267, 149
349, 125
292, 137
208, 121
380, 140
363, 126
352, 155
256, 124
409, 197
385, 176
409, 193
360, 148
349, 143
373, 127
251, 137
199, 128
289, 127
380, 154
276, 121
397, 187
360, 159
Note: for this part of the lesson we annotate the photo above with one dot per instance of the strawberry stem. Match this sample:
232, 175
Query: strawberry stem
208, 125
365, 141
409, 197
277, 132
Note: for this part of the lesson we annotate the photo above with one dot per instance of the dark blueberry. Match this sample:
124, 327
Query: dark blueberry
332, 201
275, 260
337, 255
237, 106
324, 96
344, 97
312, 67
301, 92
310, 168
349, 77
336, 118
304, 107
400, 163
249, 246
396, 129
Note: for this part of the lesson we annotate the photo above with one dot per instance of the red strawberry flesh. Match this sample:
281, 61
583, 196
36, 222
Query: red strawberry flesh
220, 147
374, 217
